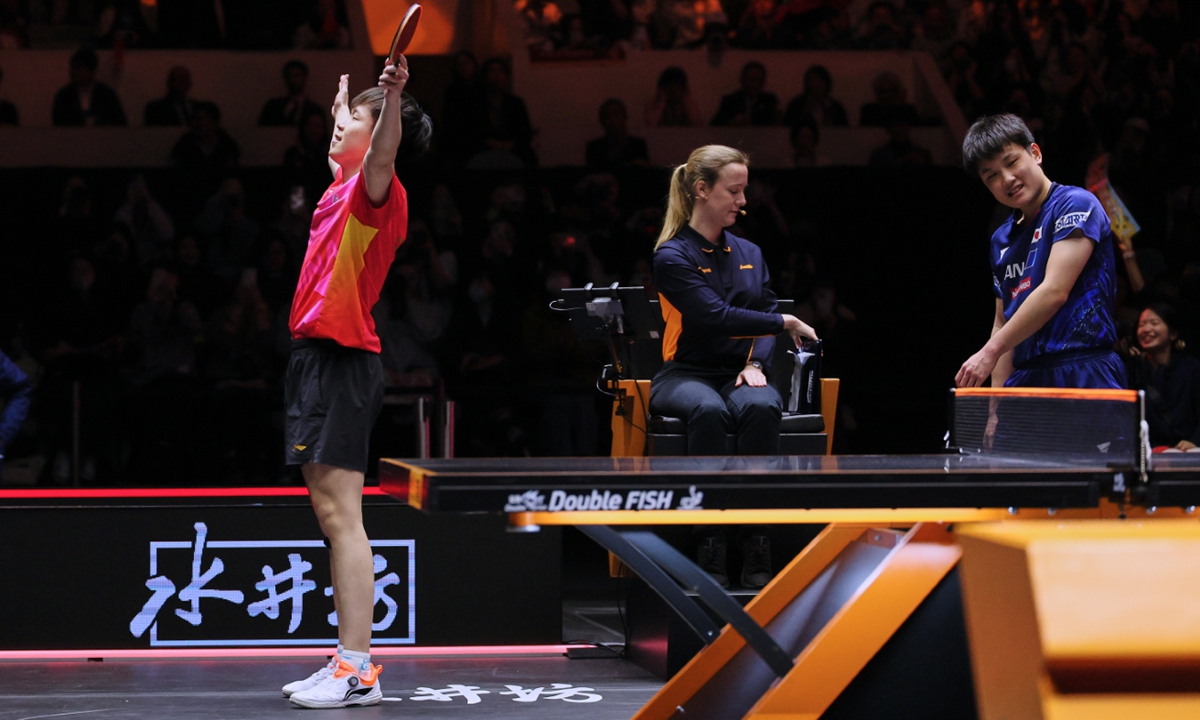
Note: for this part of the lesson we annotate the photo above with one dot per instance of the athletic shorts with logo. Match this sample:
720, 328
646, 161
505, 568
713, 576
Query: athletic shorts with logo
333, 394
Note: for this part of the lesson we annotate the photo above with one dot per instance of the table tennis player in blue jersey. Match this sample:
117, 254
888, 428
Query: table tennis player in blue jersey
1053, 271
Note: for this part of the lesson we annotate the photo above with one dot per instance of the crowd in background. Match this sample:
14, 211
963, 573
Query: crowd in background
176, 24
165, 307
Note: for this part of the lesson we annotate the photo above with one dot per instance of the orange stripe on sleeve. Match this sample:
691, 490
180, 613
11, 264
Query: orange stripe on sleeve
674, 321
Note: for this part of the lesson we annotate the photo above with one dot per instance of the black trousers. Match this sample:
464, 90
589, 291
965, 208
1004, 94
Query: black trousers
711, 406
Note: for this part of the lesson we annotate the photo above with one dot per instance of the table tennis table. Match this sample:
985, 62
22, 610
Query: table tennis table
864, 499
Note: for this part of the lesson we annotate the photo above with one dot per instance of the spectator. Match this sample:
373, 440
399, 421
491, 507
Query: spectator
277, 272
543, 18
8, 111
816, 102
228, 237
293, 107
151, 229
206, 152
122, 25
607, 21
504, 119
295, 223
460, 103
751, 104
961, 74
891, 101
672, 105
935, 34
86, 101
832, 31
191, 24
804, 138
880, 29
176, 108
307, 160
13, 23
325, 30
759, 28
616, 149
689, 23
1170, 379
16, 394
240, 367
197, 283
900, 150
163, 331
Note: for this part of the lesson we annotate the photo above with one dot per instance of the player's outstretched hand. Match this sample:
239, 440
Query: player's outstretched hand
798, 329
976, 369
394, 77
342, 99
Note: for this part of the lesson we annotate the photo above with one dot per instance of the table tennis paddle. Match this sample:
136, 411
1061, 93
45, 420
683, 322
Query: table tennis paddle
404, 34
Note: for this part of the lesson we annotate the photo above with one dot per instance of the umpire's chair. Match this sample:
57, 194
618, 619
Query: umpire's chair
631, 324
802, 430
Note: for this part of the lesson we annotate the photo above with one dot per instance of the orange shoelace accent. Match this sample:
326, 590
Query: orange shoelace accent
344, 669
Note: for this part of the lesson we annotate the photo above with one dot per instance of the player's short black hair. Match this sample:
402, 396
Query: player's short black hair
989, 135
416, 127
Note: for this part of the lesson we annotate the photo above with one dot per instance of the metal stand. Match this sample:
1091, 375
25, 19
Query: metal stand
657, 563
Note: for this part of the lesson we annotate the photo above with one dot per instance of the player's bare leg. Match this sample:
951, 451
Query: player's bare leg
336, 495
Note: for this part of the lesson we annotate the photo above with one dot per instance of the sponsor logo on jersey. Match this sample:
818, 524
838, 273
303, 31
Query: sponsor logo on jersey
1071, 220
1025, 285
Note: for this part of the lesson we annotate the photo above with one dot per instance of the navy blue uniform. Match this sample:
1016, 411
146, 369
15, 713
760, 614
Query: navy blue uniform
17, 393
1074, 349
720, 314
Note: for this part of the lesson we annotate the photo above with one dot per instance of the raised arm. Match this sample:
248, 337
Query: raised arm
341, 114
379, 165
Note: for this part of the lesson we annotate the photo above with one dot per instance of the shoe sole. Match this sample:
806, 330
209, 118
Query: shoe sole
356, 702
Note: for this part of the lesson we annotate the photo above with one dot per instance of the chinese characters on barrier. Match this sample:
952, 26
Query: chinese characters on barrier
273, 592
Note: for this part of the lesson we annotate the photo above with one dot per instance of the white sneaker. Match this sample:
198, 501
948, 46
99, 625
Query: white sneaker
343, 688
312, 680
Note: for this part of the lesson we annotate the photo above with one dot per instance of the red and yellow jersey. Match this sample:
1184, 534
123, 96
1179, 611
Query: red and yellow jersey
350, 249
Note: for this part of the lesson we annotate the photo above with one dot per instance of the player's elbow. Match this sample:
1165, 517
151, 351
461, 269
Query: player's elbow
1057, 296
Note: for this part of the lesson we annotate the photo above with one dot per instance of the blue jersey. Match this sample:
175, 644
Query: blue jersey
1019, 254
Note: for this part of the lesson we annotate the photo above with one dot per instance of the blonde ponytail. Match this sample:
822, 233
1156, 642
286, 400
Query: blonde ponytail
679, 206
705, 164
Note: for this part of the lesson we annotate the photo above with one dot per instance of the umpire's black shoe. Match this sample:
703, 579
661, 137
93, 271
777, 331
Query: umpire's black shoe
710, 556
756, 562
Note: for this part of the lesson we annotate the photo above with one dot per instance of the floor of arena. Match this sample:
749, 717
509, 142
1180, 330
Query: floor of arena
534, 687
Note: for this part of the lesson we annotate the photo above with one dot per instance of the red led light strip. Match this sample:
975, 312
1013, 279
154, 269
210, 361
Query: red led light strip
203, 653
135, 493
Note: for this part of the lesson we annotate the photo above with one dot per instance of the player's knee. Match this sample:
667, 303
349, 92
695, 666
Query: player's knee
330, 516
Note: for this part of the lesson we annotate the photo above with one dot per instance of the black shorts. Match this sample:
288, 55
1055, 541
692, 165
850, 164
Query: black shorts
333, 395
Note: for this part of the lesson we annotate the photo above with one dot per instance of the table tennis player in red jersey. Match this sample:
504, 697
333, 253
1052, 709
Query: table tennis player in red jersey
334, 386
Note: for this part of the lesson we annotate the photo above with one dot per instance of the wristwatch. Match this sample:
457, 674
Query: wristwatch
757, 365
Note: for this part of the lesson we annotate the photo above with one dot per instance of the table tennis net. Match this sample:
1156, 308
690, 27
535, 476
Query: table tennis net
1049, 422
